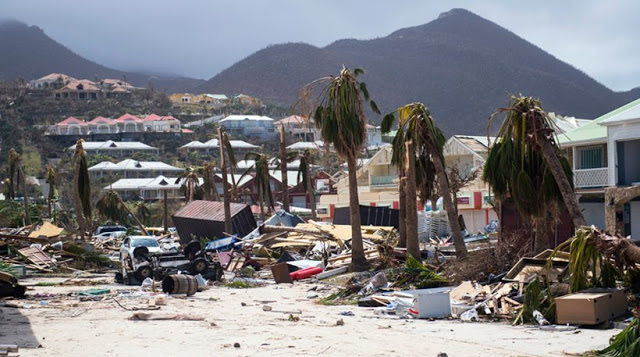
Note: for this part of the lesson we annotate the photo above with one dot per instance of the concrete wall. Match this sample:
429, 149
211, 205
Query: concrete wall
594, 213
635, 220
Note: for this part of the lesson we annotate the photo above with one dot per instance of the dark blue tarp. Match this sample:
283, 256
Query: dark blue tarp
369, 216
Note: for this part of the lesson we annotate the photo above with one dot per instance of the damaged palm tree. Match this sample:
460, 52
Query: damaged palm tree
190, 183
526, 165
81, 188
416, 125
340, 116
304, 174
112, 207
262, 180
51, 180
596, 258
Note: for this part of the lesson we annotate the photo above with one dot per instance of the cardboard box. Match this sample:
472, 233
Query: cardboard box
591, 307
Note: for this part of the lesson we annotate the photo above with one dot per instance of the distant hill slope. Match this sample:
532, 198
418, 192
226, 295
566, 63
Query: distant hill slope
461, 65
27, 52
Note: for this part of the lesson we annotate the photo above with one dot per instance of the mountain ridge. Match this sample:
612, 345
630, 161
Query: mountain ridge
458, 58
24, 47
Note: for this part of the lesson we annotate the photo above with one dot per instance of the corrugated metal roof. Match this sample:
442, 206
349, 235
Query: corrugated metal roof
208, 210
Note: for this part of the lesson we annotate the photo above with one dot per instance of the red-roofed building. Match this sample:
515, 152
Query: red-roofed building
161, 124
71, 126
128, 123
102, 125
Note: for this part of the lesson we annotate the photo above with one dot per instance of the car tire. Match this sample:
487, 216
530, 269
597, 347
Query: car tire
192, 249
198, 266
143, 272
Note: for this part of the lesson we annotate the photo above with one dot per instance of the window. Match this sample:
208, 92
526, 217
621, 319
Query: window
590, 157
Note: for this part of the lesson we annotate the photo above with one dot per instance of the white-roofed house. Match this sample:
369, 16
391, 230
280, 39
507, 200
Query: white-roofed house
116, 148
134, 169
212, 147
148, 188
249, 126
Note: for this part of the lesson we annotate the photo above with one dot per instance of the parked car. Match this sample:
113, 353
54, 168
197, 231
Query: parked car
107, 235
105, 229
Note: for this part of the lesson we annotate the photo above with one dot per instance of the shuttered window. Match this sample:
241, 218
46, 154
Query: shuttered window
591, 157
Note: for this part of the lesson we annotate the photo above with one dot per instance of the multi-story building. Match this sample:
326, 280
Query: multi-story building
300, 128
249, 126
212, 147
606, 172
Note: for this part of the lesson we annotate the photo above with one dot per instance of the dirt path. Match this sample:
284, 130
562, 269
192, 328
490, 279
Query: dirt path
65, 326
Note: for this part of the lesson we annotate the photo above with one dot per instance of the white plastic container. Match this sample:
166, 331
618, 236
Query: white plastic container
432, 303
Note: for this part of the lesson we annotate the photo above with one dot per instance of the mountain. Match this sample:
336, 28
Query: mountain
28, 53
460, 65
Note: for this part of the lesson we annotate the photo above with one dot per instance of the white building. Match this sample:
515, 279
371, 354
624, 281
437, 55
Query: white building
603, 157
134, 169
148, 188
249, 126
374, 137
212, 147
52, 80
113, 148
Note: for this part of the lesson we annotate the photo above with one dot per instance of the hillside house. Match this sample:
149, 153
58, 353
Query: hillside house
256, 126
161, 124
247, 101
300, 128
148, 188
70, 126
51, 81
113, 148
134, 169
212, 147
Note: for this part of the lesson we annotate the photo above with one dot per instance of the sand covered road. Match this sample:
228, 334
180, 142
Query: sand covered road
65, 326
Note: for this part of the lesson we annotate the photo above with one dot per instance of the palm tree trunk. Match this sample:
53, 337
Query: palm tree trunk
542, 234
312, 197
165, 220
133, 216
358, 260
283, 169
411, 231
49, 205
568, 194
261, 202
77, 200
214, 189
228, 227
452, 213
402, 202
27, 216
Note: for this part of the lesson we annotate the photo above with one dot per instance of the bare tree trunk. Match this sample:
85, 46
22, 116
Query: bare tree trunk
358, 259
542, 234
214, 189
133, 216
568, 194
312, 197
402, 202
82, 226
283, 170
228, 227
452, 213
165, 197
413, 246
27, 215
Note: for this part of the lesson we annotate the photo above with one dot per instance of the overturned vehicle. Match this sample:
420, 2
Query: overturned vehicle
142, 257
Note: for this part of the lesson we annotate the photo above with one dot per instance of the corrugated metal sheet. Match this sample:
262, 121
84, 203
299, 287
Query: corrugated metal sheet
208, 210
205, 219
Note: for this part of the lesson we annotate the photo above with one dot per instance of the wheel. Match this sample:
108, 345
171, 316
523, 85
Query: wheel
192, 249
143, 272
142, 252
198, 266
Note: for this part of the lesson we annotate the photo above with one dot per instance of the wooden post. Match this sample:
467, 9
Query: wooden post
166, 213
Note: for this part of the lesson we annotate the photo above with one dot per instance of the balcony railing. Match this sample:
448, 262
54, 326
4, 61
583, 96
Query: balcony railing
591, 178
384, 180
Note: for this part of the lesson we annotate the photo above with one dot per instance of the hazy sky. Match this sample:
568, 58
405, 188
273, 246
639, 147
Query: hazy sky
199, 38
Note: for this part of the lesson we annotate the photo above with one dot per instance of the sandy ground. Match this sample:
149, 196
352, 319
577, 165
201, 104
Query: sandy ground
65, 326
